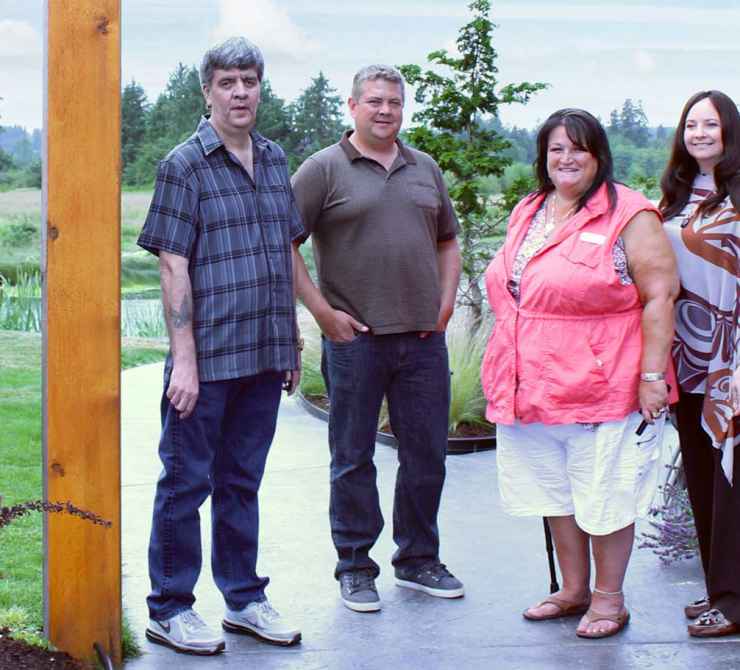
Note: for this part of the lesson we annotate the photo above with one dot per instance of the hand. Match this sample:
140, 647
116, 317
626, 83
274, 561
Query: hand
292, 381
653, 399
339, 326
735, 392
445, 314
182, 390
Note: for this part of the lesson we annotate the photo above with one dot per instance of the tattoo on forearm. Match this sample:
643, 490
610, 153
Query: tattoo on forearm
180, 318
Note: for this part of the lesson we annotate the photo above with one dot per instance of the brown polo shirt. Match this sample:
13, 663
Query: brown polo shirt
375, 233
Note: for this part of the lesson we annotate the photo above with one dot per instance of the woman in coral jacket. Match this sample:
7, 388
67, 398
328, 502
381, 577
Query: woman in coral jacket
701, 205
582, 292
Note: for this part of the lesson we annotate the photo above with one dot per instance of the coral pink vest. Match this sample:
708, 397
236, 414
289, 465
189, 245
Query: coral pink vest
570, 350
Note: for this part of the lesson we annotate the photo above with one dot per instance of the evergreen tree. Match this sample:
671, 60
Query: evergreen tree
316, 119
450, 128
273, 118
134, 108
172, 119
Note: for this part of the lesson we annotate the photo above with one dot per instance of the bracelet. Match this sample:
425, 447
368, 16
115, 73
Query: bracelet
300, 344
652, 376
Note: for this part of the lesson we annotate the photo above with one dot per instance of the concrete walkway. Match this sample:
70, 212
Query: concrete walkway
501, 560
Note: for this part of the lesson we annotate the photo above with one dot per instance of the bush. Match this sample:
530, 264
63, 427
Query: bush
22, 231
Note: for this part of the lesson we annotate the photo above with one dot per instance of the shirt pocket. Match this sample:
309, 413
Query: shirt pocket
425, 196
274, 201
581, 252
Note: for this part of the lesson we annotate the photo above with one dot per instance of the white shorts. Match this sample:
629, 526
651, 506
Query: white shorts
603, 474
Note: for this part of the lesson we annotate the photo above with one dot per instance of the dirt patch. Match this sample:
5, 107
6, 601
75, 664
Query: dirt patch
17, 655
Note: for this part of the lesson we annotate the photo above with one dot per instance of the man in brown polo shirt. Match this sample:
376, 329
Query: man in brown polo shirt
384, 240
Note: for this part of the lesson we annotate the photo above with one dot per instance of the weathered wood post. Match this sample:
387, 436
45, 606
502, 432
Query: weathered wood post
81, 341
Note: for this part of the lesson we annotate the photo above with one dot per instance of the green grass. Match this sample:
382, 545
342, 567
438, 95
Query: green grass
137, 352
20, 475
21, 555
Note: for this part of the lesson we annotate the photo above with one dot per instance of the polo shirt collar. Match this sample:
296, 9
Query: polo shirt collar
353, 154
210, 140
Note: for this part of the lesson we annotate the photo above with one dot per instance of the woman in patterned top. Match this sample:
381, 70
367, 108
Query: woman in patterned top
701, 205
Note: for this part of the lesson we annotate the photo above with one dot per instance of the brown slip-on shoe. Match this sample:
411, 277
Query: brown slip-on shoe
621, 619
697, 608
565, 609
713, 624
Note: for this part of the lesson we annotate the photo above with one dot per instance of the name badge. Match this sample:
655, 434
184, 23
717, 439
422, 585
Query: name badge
593, 238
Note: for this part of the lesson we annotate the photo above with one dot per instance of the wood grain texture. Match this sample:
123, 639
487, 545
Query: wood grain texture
81, 260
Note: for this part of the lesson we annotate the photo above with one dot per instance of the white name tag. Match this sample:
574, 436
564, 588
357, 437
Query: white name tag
593, 238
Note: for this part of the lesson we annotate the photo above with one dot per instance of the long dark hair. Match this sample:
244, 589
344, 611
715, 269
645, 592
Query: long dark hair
585, 131
682, 168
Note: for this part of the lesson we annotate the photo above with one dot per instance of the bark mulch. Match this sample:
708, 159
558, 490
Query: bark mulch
17, 655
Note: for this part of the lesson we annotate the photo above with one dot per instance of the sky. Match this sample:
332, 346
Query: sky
593, 54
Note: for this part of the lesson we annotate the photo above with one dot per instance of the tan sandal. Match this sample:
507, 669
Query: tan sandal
565, 608
621, 619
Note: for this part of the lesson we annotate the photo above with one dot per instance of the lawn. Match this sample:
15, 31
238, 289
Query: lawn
20, 472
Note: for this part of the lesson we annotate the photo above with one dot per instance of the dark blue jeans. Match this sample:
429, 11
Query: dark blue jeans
220, 449
414, 375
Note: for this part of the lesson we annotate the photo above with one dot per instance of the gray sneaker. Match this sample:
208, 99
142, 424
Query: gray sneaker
187, 633
433, 578
357, 588
261, 620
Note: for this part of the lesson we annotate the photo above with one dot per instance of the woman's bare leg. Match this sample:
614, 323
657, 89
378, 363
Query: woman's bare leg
611, 556
571, 546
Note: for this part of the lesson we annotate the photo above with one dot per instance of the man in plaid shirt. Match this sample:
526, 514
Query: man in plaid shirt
221, 220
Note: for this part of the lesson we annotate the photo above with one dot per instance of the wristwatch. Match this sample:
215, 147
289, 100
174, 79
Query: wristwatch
652, 376
300, 344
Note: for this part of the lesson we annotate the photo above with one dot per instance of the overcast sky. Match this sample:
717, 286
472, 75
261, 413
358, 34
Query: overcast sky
594, 54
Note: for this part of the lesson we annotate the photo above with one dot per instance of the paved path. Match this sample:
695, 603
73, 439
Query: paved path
500, 559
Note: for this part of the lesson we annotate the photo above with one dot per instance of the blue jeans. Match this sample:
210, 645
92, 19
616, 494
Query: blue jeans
220, 449
414, 375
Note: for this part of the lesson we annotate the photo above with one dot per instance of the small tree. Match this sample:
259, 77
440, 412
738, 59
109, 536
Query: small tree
451, 129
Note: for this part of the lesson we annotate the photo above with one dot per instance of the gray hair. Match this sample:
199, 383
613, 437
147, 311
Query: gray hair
234, 52
373, 72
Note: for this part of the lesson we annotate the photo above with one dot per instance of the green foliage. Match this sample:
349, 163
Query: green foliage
273, 116
20, 303
450, 127
134, 108
142, 318
134, 356
20, 231
170, 121
316, 120
466, 346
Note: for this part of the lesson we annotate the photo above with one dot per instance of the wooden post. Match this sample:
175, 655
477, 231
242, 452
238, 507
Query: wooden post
81, 343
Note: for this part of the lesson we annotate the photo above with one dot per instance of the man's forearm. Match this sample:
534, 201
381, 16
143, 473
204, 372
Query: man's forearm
177, 299
306, 290
449, 265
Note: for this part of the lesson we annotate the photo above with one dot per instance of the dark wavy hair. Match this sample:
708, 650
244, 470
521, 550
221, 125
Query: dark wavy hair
585, 131
682, 168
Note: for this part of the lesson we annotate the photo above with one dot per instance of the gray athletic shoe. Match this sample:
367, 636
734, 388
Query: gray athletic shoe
433, 578
187, 633
357, 588
261, 620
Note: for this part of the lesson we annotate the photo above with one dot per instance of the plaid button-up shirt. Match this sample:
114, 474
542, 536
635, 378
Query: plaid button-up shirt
237, 233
